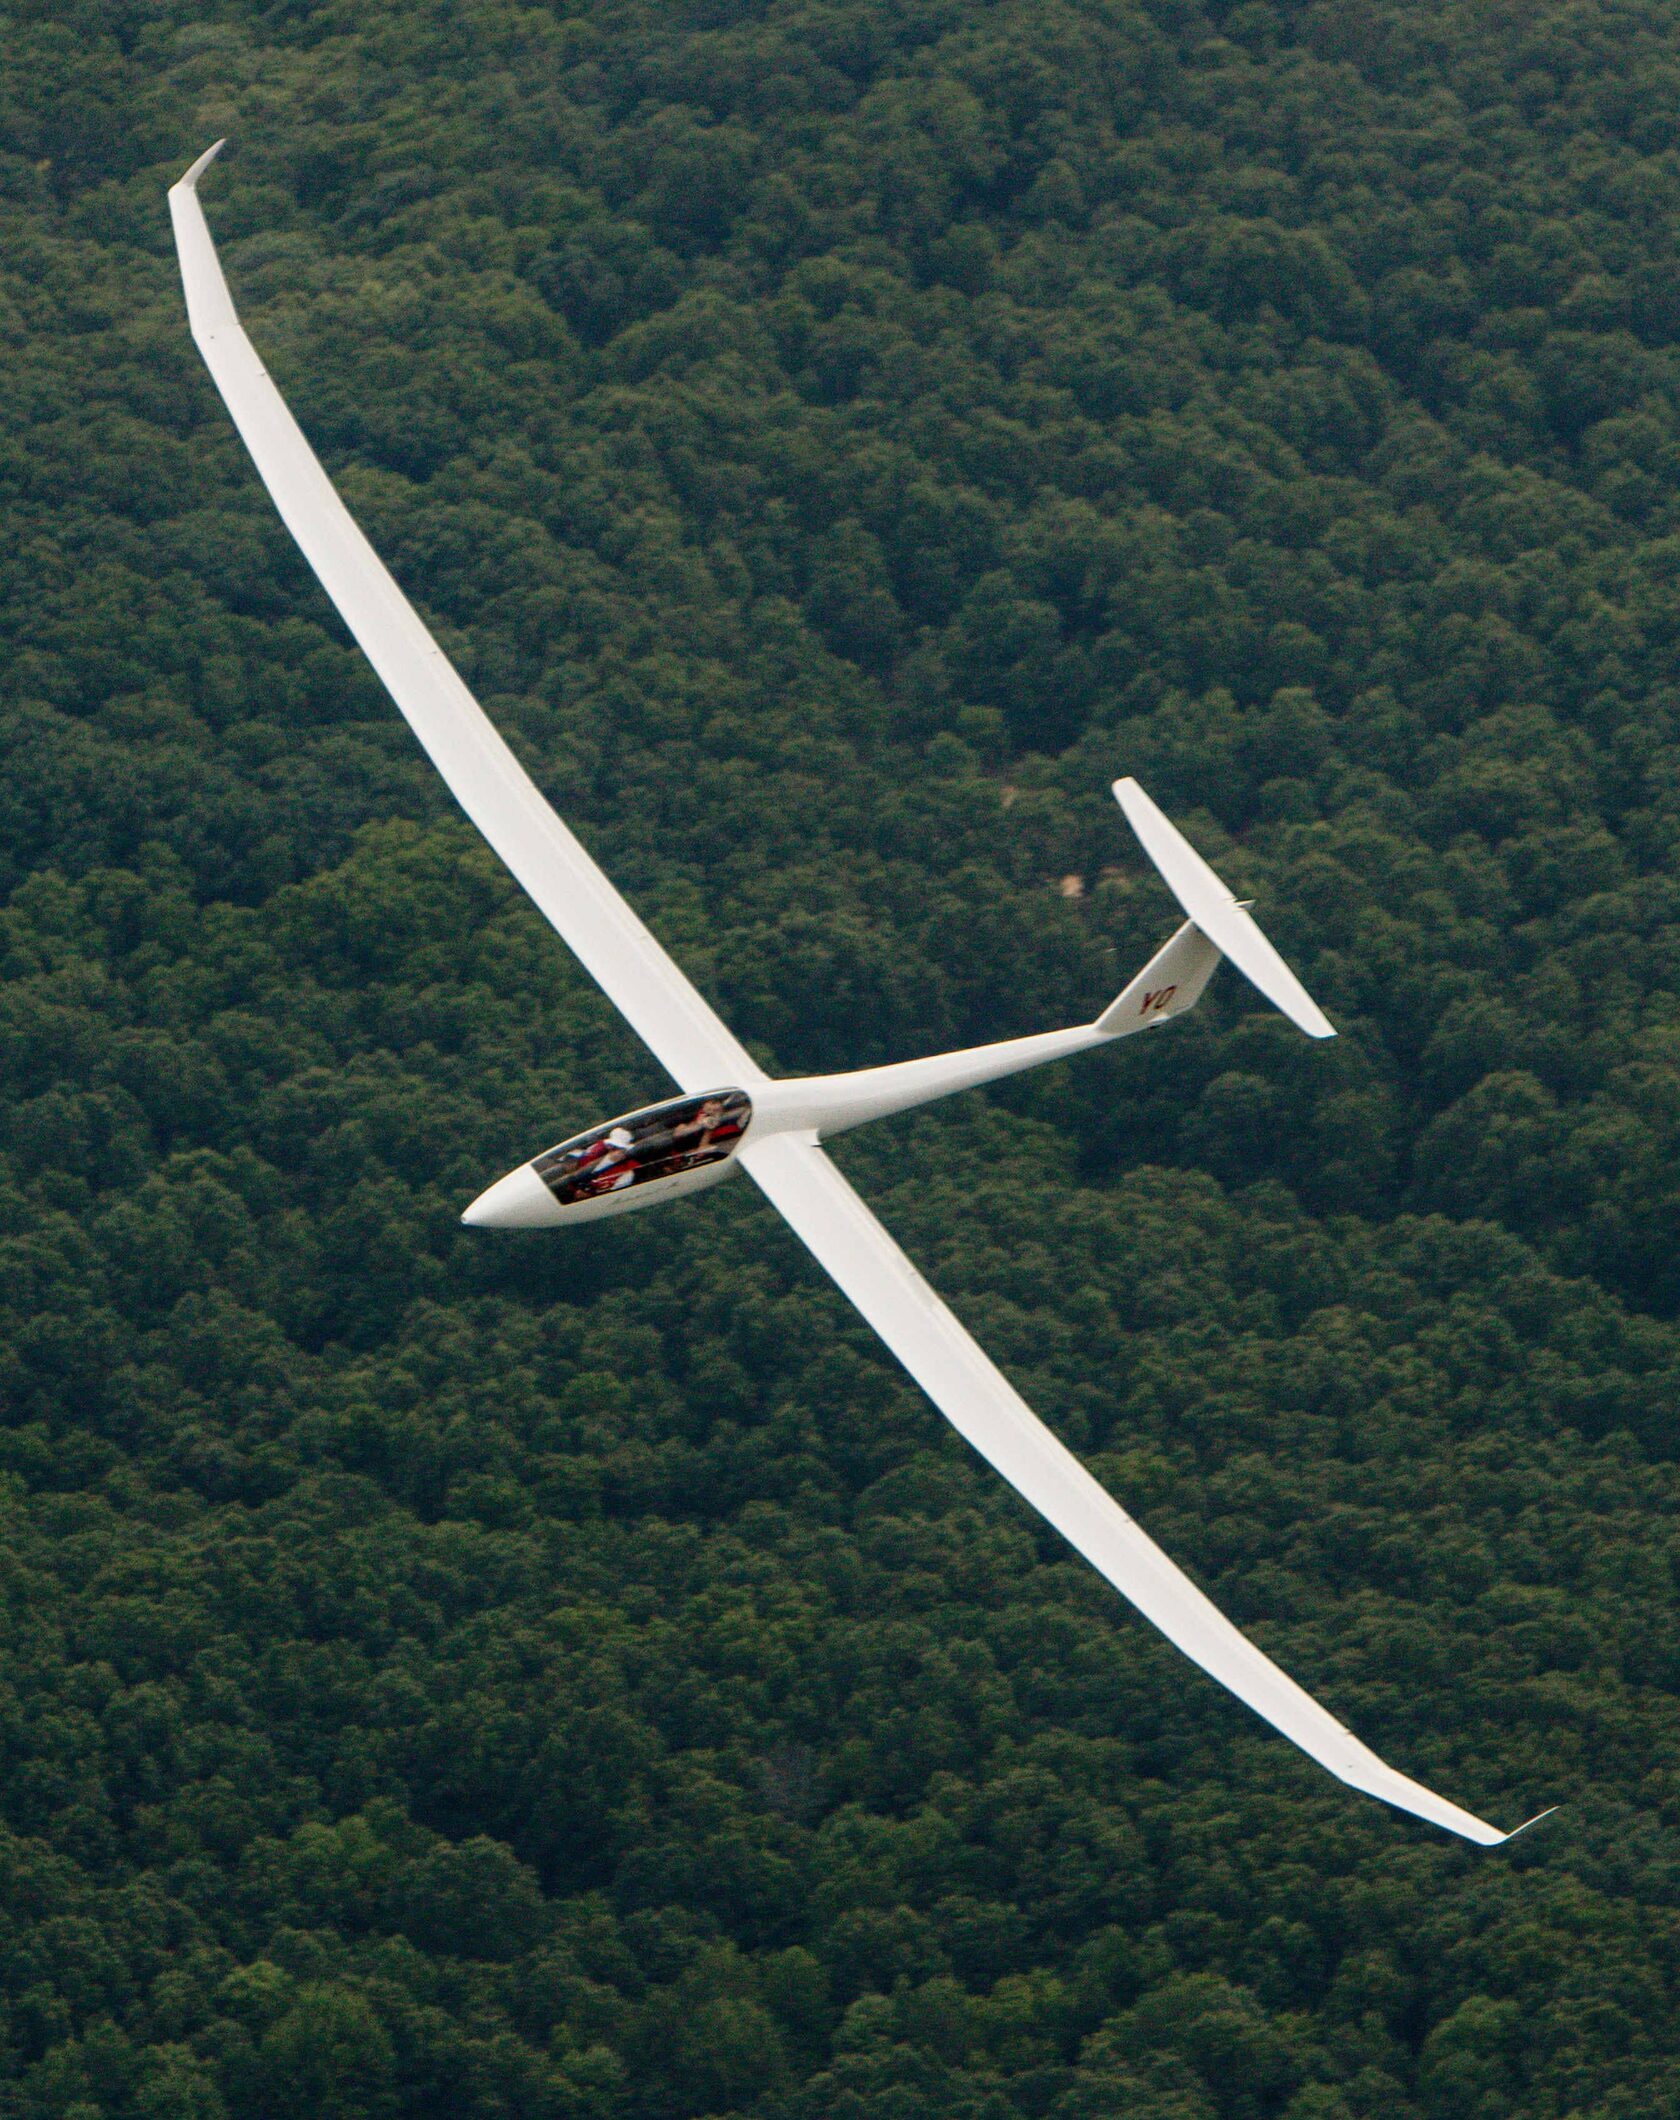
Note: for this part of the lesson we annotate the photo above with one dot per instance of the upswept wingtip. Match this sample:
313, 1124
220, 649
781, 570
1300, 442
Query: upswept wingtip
188, 181
1548, 1812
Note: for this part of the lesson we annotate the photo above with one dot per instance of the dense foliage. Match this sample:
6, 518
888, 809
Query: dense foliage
581, 1679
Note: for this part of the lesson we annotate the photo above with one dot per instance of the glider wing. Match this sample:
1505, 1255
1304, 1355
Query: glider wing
987, 1411
482, 773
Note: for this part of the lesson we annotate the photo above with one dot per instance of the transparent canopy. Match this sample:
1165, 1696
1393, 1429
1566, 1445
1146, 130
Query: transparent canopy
661, 1141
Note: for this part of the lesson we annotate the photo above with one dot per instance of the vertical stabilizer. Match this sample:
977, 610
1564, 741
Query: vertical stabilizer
1172, 981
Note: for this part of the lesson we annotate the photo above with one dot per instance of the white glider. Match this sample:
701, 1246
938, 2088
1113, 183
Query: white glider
771, 1129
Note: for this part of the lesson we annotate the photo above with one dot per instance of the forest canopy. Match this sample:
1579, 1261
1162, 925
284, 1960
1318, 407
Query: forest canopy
581, 1678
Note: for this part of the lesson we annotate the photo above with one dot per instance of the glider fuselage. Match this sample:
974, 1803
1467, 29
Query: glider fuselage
687, 1143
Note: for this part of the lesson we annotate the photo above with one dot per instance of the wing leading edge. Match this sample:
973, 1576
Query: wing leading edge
987, 1411
482, 773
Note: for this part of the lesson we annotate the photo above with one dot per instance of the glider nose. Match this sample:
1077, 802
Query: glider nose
519, 1201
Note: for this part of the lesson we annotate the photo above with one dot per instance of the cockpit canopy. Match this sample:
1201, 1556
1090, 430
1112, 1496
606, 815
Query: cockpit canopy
663, 1141
653, 1154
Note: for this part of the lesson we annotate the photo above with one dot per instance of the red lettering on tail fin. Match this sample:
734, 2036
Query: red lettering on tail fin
1153, 1003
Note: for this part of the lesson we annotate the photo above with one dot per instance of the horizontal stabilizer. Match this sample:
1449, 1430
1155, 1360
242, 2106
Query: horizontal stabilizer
1216, 912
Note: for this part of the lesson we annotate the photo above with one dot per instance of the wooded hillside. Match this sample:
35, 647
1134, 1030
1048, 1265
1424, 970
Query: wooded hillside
580, 1678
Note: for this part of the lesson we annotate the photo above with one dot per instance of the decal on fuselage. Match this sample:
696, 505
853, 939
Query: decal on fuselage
661, 1142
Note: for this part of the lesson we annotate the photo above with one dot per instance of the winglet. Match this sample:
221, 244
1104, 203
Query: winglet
1216, 911
209, 305
189, 182
1548, 1812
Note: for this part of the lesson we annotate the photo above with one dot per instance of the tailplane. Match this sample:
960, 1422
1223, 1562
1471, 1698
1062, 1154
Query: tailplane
1215, 912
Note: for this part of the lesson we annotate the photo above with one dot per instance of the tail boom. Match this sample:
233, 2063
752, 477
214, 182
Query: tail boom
1170, 984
